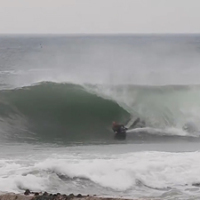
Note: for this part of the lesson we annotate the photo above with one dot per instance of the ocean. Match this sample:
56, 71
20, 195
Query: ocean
59, 95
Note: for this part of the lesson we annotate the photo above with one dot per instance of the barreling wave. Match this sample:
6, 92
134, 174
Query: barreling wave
52, 111
69, 112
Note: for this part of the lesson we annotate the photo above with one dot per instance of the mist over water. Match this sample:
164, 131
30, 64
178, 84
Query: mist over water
141, 60
60, 94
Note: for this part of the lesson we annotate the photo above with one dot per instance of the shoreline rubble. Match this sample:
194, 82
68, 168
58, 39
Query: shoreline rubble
28, 195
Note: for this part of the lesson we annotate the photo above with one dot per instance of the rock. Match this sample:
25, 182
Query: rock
27, 192
71, 195
45, 194
58, 196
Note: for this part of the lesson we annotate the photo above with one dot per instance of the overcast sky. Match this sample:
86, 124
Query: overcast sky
99, 16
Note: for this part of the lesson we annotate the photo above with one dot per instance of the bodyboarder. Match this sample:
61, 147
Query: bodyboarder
120, 129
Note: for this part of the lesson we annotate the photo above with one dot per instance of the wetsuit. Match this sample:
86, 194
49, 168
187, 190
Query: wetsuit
120, 132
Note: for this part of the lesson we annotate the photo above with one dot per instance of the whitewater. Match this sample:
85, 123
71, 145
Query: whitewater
59, 95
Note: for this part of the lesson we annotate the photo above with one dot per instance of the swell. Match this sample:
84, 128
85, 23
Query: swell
51, 111
68, 112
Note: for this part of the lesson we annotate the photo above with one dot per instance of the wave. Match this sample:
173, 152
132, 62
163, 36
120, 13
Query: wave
51, 111
59, 111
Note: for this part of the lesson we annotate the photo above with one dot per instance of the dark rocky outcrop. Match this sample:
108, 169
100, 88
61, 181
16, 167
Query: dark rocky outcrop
28, 195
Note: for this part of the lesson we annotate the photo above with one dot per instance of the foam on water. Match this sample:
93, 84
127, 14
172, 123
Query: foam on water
127, 174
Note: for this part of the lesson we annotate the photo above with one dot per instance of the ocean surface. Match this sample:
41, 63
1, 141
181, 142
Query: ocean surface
59, 95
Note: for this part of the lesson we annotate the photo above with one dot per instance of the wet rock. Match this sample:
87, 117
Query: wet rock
45, 194
27, 192
71, 195
58, 196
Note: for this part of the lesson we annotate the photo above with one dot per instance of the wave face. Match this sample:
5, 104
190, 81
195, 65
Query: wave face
67, 112
160, 106
59, 111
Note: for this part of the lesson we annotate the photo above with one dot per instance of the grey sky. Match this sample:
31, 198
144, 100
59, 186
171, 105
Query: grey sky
99, 16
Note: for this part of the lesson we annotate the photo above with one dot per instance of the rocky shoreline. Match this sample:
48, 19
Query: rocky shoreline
46, 196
